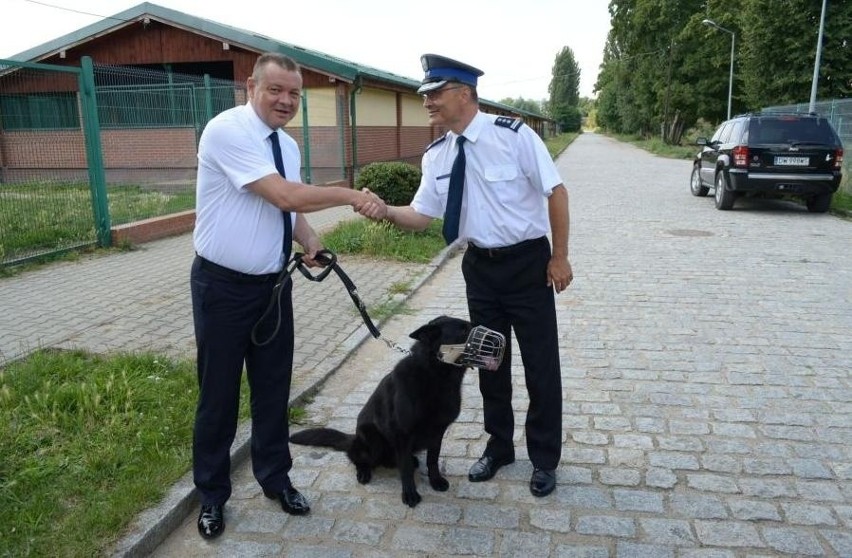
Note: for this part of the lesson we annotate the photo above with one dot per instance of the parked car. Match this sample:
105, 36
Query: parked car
770, 155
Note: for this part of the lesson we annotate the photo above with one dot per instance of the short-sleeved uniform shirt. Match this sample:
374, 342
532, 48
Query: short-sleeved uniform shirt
509, 175
235, 227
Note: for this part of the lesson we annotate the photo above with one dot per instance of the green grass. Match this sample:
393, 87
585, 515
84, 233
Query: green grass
88, 442
557, 144
658, 147
383, 240
40, 216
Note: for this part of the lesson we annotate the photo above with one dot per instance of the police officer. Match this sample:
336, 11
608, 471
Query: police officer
247, 215
493, 182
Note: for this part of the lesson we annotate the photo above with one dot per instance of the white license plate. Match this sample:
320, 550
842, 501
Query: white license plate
791, 161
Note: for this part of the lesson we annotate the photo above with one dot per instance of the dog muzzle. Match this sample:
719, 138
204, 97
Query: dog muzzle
483, 349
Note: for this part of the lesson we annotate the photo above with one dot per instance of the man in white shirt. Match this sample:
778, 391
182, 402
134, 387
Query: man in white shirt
494, 184
247, 215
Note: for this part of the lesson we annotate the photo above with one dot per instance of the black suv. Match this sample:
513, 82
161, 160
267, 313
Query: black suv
770, 155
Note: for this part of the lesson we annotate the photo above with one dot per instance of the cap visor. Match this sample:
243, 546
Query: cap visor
431, 86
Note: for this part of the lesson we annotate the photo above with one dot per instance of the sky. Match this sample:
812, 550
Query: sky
514, 42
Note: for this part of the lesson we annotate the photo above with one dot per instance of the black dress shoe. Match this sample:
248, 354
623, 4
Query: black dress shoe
543, 482
291, 499
487, 467
211, 521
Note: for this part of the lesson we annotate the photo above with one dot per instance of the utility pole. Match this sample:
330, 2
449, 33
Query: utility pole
812, 105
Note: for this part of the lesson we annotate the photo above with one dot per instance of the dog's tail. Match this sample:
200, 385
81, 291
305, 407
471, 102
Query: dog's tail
323, 437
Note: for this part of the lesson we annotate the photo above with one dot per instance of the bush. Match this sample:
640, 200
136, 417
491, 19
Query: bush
394, 182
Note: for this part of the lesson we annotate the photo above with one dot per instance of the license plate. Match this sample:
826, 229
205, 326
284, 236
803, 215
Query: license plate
791, 161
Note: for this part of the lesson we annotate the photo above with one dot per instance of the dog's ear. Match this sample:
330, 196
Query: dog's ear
425, 333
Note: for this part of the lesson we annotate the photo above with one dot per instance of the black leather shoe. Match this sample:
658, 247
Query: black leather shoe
211, 521
543, 482
487, 467
291, 499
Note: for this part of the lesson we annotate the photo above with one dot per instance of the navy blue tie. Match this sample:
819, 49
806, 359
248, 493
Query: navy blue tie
454, 196
288, 224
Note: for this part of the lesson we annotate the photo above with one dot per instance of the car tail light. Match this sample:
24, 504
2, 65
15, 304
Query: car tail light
838, 158
740, 154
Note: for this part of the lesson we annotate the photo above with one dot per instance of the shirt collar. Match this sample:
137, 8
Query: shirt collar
474, 128
258, 126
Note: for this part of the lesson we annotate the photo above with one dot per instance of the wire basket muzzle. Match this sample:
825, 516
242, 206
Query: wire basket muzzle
484, 348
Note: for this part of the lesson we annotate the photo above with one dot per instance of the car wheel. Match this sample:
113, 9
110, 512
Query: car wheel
695, 185
818, 204
724, 197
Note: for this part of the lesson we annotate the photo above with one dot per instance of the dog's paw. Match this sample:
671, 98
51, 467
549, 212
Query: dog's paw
363, 475
439, 483
411, 498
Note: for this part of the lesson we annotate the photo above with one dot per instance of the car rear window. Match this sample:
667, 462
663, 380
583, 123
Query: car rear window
786, 130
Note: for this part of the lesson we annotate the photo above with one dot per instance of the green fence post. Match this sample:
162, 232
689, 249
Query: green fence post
306, 137
94, 153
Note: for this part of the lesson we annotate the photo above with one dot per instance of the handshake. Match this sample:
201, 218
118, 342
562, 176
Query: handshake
370, 205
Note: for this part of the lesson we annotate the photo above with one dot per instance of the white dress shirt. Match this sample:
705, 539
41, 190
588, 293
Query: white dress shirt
508, 177
235, 227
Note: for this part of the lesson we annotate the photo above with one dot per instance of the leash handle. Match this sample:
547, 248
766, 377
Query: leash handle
328, 260
325, 258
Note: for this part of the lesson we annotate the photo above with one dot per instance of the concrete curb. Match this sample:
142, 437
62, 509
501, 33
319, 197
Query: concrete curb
155, 524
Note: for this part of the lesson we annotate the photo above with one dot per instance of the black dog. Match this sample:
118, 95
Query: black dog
409, 411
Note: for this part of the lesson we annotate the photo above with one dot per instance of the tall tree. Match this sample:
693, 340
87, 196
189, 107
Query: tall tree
520, 103
564, 91
779, 49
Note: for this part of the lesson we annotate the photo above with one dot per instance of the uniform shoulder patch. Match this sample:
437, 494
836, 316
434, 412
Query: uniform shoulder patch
513, 124
436, 142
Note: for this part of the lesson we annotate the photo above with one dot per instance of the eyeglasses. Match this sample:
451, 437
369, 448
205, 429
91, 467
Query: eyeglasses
432, 95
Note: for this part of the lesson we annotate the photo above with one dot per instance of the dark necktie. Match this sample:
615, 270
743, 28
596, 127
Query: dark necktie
454, 196
288, 224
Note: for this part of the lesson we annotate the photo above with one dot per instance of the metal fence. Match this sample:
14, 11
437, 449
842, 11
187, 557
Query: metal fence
54, 200
134, 152
839, 113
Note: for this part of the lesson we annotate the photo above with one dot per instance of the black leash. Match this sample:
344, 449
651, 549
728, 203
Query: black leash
328, 260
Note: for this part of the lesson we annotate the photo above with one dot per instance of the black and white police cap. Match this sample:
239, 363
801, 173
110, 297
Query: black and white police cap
441, 70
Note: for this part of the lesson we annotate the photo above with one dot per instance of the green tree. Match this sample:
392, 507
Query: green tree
564, 91
779, 49
527, 105
664, 70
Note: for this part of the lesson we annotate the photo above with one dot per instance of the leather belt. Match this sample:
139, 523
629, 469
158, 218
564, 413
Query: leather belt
504, 251
237, 276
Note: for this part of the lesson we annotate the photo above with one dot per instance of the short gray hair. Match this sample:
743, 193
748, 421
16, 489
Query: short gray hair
278, 59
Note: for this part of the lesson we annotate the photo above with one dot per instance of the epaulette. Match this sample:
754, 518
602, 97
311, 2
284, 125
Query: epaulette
436, 142
513, 124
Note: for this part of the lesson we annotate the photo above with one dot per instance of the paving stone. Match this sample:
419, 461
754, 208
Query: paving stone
638, 500
675, 532
840, 541
606, 525
792, 541
753, 510
727, 533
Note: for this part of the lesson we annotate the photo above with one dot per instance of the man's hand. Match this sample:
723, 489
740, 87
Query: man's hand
375, 208
559, 273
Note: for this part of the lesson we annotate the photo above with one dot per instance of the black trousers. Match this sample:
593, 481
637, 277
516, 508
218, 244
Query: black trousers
225, 308
507, 291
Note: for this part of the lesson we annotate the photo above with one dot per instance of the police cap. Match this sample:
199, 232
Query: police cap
441, 70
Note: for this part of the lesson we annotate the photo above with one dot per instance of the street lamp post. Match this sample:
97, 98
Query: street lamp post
712, 23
